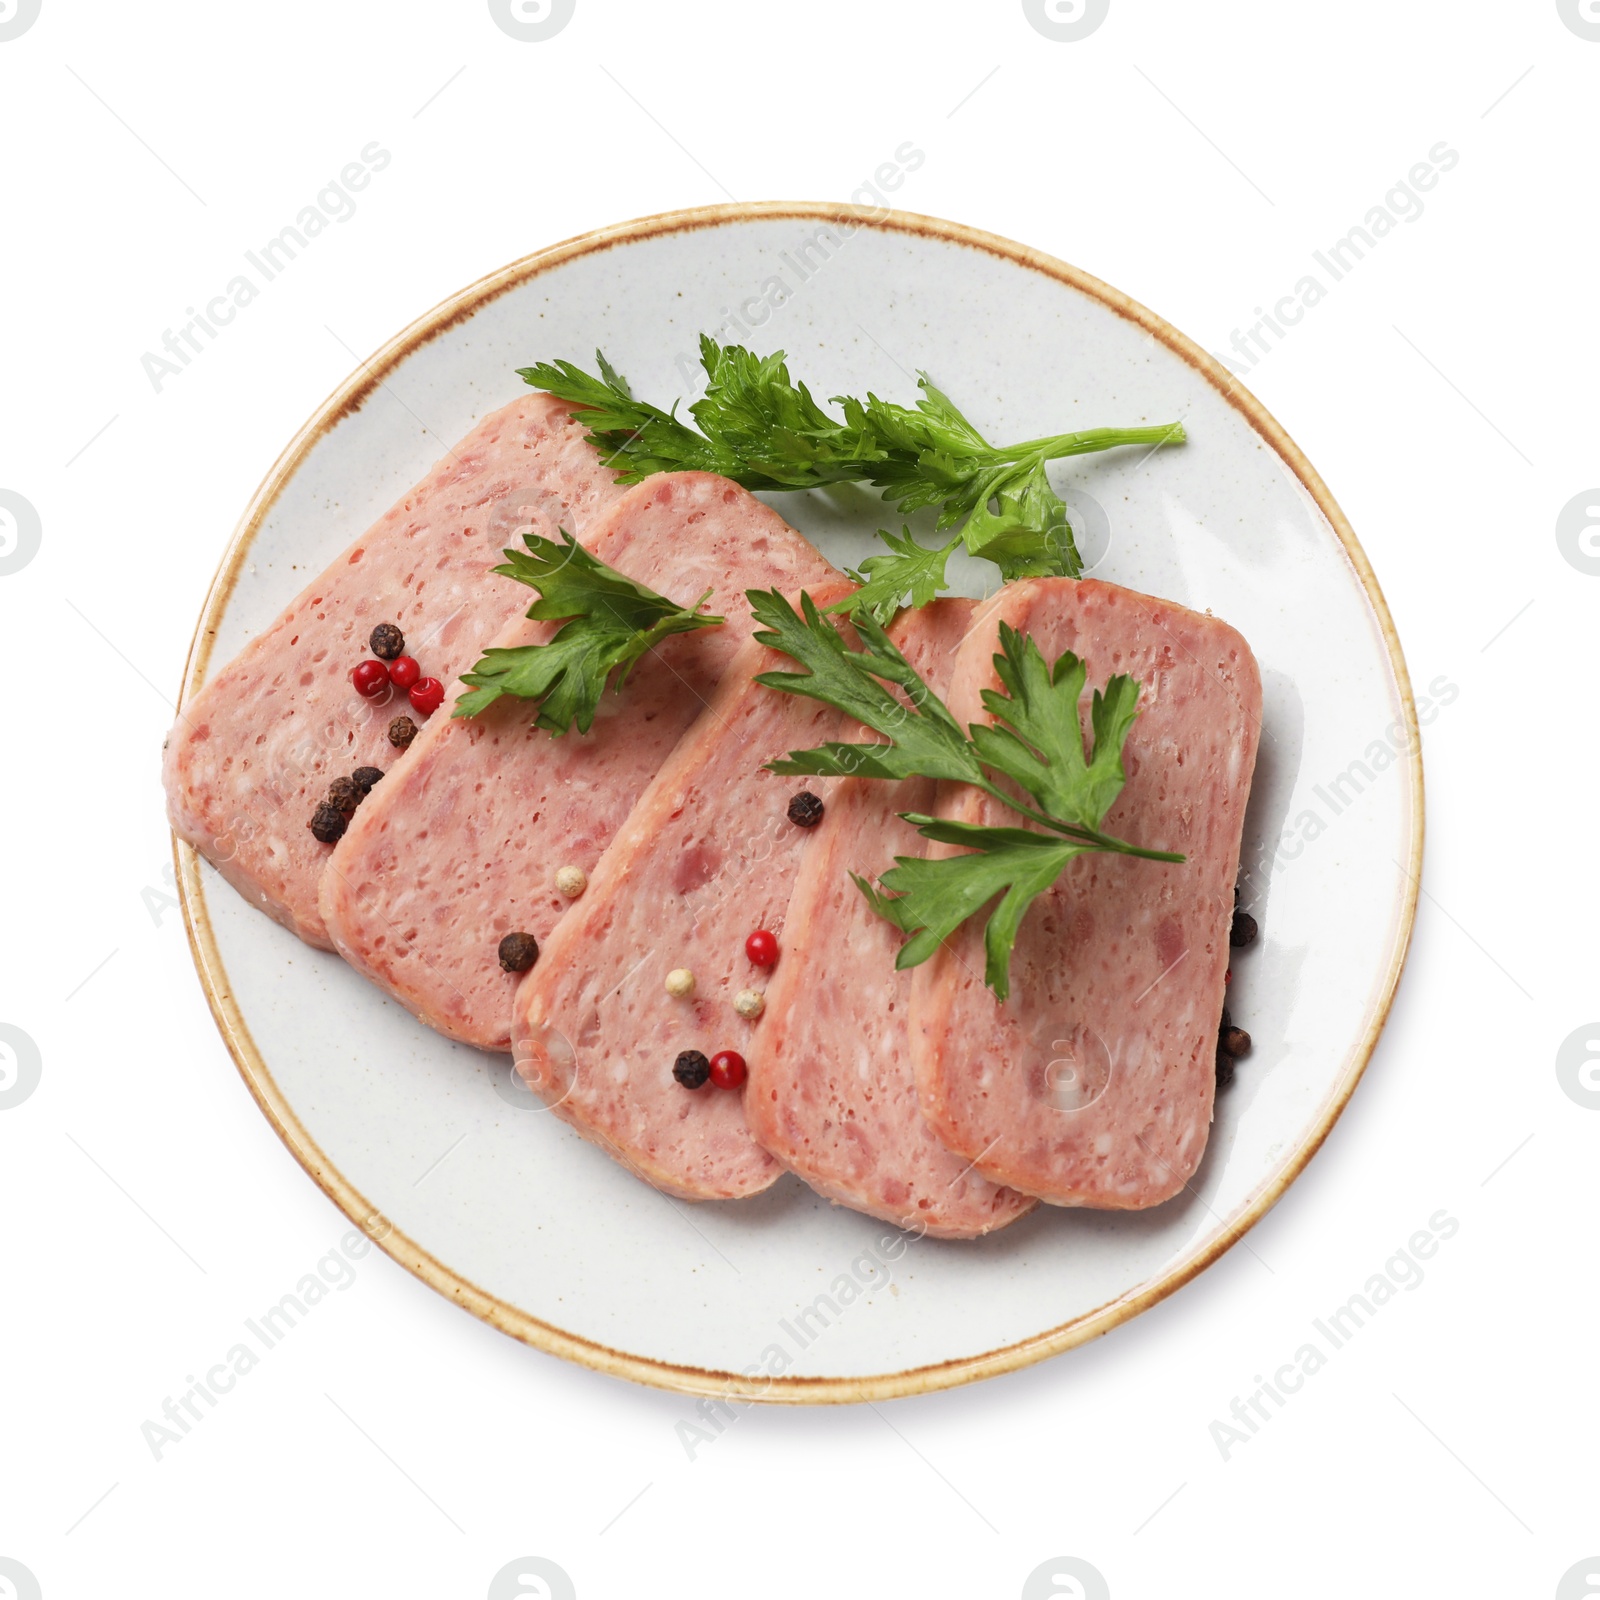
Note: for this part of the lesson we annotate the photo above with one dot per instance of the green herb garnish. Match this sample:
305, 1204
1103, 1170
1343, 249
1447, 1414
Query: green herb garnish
1036, 742
612, 621
764, 430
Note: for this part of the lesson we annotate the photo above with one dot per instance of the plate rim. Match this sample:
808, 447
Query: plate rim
519, 1324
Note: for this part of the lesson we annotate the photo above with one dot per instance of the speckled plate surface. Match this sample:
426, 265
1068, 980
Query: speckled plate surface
470, 1185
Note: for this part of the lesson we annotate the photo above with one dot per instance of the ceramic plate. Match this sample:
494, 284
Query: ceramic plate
432, 1146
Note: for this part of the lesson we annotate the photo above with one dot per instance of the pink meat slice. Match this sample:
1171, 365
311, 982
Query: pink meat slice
460, 843
707, 856
253, 753
1093, 1084
832, 1093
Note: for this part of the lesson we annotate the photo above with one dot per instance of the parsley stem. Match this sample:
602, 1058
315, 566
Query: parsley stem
1057, 446
1089, 836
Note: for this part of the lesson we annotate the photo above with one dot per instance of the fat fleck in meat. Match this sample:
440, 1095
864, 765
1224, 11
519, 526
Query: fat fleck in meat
254, 751
1093, 1084
832, 1093
461, 842
706, 857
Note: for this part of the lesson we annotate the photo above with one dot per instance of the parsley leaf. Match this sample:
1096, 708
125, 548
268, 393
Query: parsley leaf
921, 739
765, 430
930, 899
1037, 739
1036, 742
886, 580
612, 622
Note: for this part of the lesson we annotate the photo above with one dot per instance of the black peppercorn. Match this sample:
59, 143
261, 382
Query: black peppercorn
1224, 1070
1235, 1043
345, 794
1244, 930
691, 1069
518, 952
387, 641
805, 810
365, 777
328, 824
401, 732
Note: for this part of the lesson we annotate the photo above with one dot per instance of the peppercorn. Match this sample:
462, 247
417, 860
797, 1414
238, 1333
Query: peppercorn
328, 824
1227, 1021
405, 671
750, 1003
427, 695
518, 952
387, 641
762, 948
401, 732
727, 1069
370, 679
345, 794
691, 1069
571, 882
365, 777
1224, 1070
805, 810
1235, 1043
1244, 930
680, 983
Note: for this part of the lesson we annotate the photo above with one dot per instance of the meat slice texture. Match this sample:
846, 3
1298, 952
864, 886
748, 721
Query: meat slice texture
706, 857
461, 842
253, 753
1092, 1085
832, 1092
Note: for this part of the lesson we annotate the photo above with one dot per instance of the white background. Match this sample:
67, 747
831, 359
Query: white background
395, 1446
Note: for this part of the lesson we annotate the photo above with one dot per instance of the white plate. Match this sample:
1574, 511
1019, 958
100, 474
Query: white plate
507, 1211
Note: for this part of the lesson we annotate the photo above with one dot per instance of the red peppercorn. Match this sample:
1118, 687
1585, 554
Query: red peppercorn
762, 948
727, 1069
404, 671
427, 695
371, 678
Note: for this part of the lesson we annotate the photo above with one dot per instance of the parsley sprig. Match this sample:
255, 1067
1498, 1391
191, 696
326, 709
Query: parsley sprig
611, 622
1036, 741
764, 430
